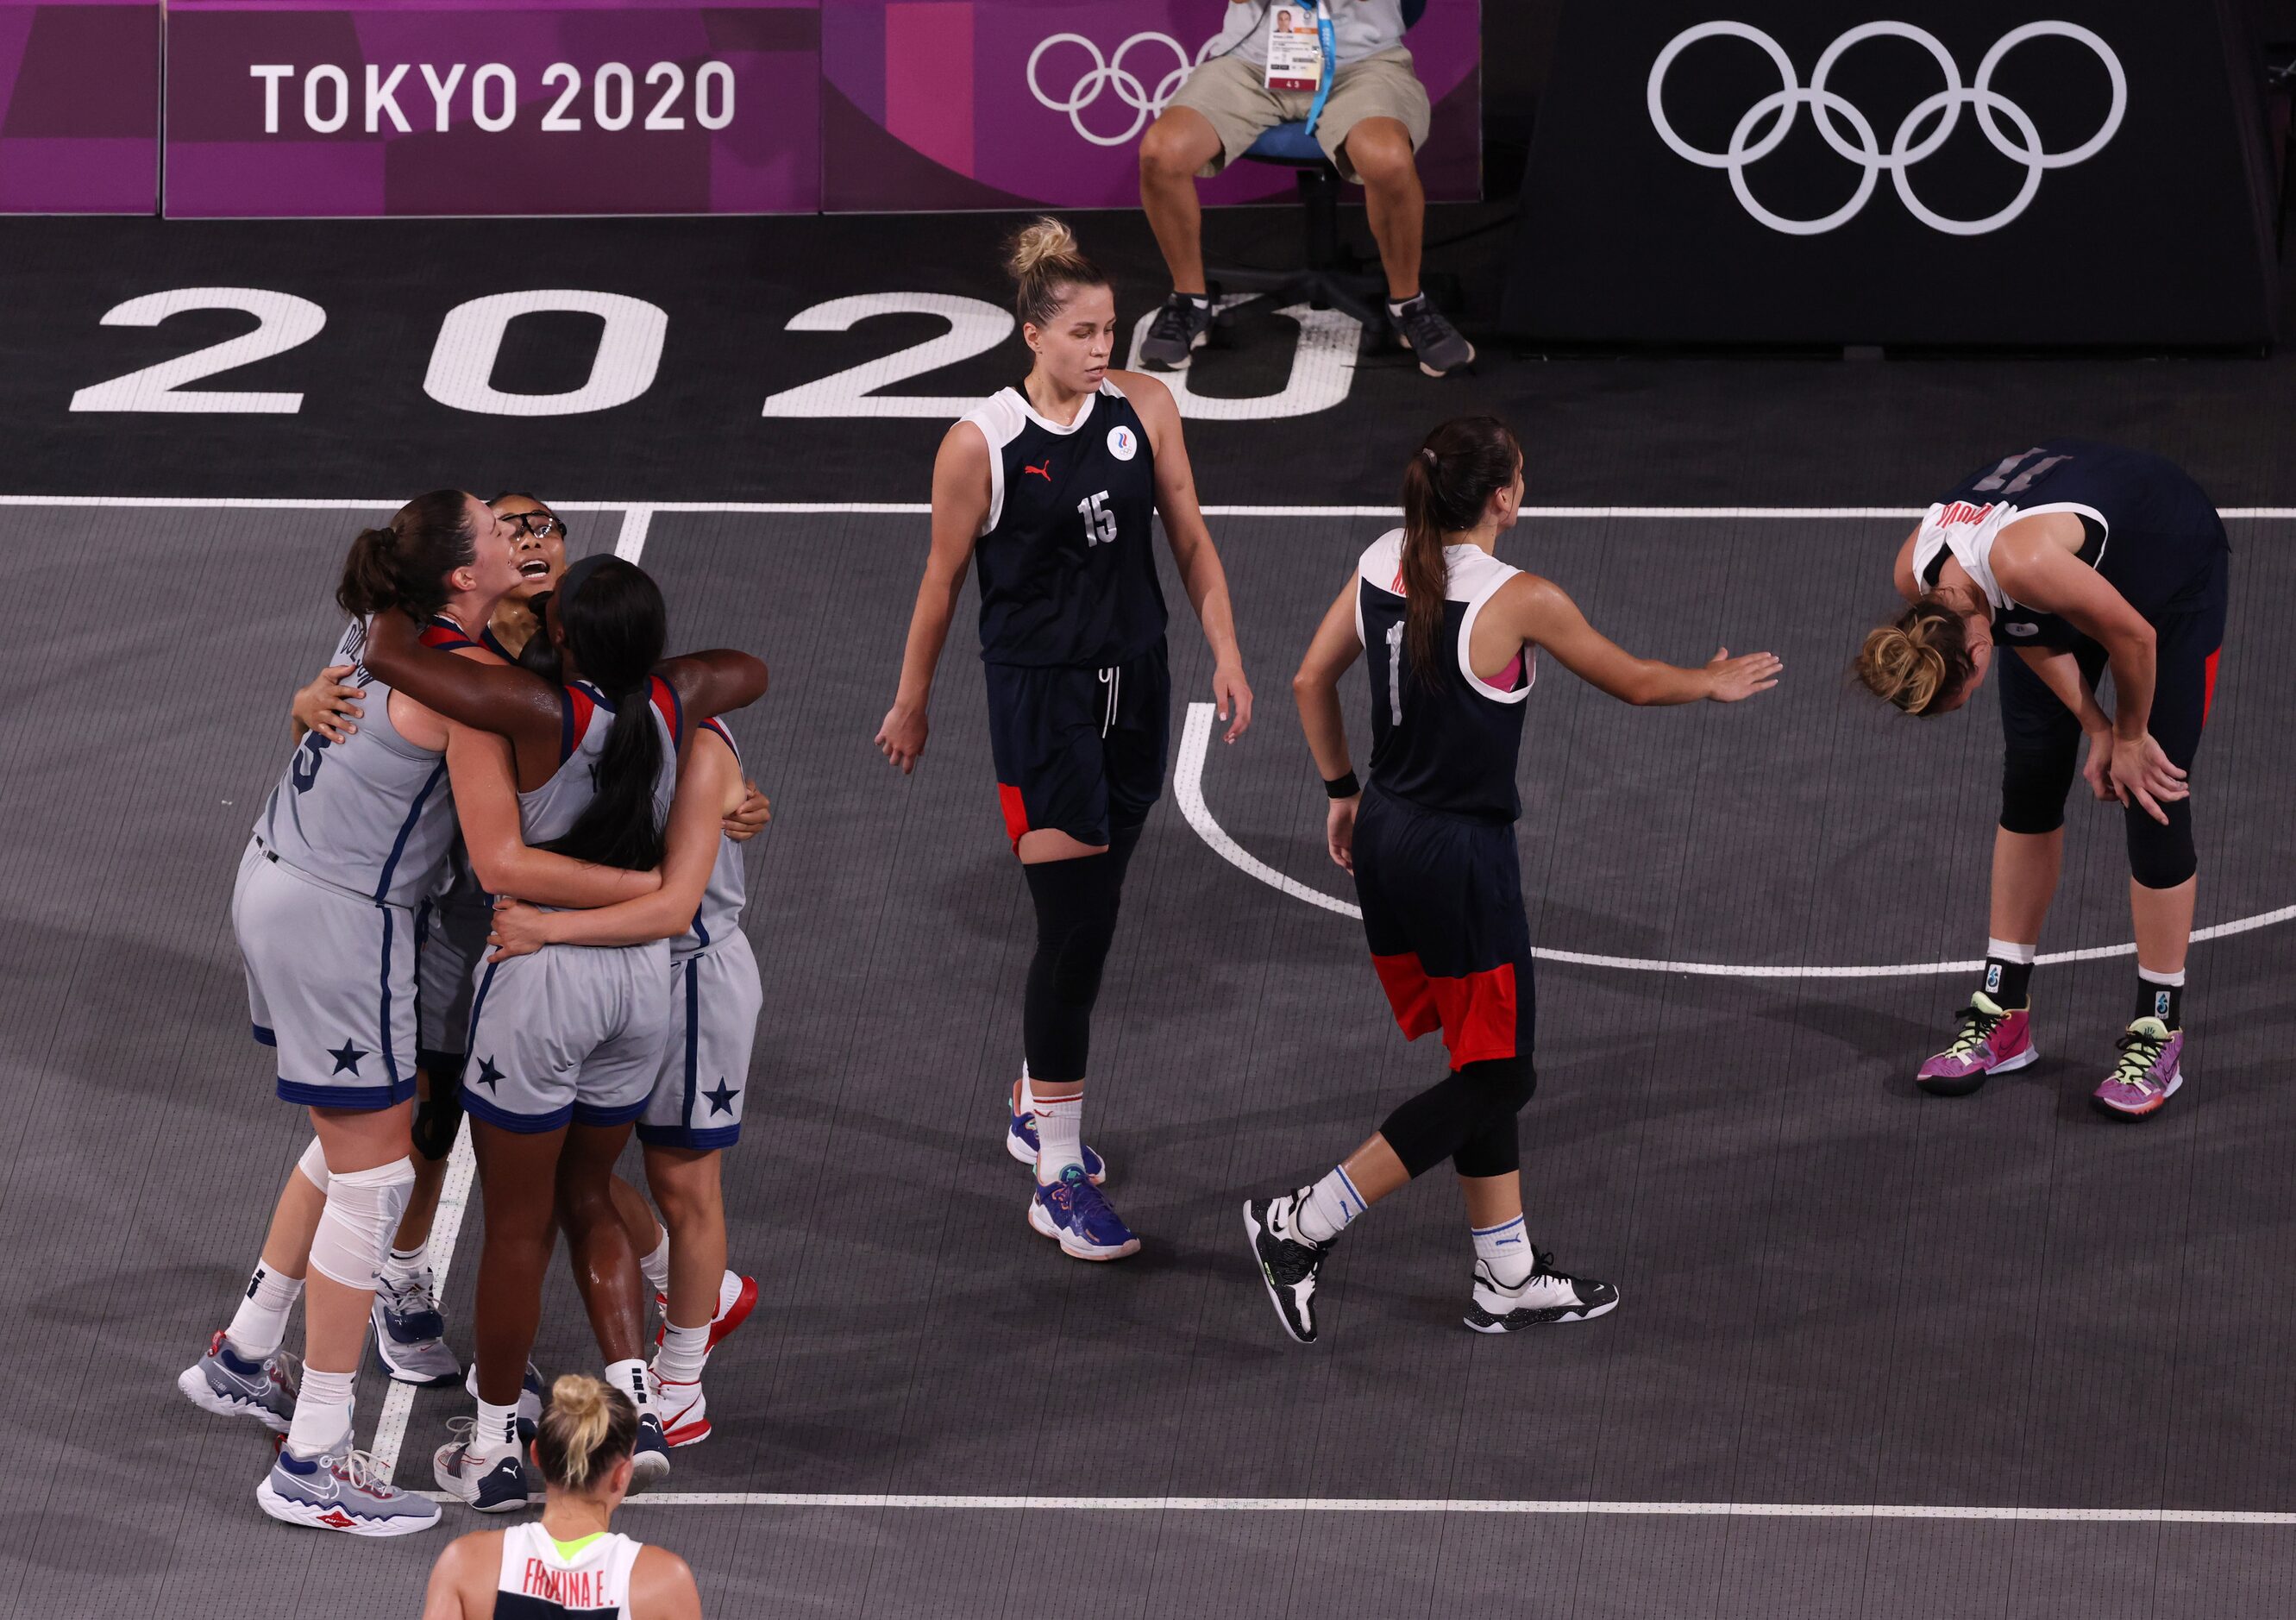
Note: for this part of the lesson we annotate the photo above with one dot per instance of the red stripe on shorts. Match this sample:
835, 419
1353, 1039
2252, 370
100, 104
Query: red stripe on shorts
1476, 1013
2208, 685
1016, 813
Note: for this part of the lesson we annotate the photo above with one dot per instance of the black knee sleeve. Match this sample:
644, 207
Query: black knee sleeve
1467, 1117
438, 1117
2034, 783
1076, 923
1123, 841
2162, 857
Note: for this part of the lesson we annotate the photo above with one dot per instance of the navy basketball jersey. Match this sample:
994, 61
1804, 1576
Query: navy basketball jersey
1068, 571
2147, 528
1445, 738
372, 813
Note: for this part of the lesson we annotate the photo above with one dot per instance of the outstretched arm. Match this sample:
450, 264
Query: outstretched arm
960, 506
1193, 552
498, 697
485, 802
1539, 610
708, 784
1316, 688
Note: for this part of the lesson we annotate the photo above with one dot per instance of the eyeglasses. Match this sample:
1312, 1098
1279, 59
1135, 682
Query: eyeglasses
541, 525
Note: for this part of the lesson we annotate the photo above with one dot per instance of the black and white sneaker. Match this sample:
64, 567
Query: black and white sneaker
1178, 330
1420, 327
650, 1454
1545, 1295
1288, 1264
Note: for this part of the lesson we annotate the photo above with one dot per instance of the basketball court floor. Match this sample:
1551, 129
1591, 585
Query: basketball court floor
1879, 1353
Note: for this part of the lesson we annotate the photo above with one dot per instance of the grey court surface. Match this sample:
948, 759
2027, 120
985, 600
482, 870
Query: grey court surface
1863, 1330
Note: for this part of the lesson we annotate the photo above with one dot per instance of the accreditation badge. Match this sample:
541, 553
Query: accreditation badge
1295, 51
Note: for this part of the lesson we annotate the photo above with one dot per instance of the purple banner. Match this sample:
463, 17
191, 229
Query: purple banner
515, 107
999, 103
80, 107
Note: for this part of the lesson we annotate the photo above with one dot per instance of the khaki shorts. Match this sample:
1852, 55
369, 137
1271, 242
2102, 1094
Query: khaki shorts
1233, 96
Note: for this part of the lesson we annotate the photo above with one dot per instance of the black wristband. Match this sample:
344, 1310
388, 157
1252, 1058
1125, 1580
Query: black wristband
1343, 787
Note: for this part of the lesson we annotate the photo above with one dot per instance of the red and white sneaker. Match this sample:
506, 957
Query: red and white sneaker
737, 1296
685, 1411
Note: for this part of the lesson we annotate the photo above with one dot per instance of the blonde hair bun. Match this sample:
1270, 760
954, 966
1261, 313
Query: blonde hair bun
1039, 244
588, 1427
1916, 659
1046, 266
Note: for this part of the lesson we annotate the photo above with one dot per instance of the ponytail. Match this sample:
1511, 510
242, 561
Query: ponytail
405, 563
1919, 658
1046, 266
1447, 487
588, 1427
615, 626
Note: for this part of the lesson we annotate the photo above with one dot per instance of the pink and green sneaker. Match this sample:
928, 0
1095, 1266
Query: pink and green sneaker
1992, 1040
2149, 1071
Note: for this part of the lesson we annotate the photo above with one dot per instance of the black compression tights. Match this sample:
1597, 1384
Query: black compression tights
1467, 1117
1076, 904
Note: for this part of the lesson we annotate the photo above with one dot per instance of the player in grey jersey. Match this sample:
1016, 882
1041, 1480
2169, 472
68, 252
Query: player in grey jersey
563, 1045
695, 1111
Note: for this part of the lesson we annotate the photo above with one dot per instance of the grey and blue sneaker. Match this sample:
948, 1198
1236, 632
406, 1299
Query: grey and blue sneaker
227, 1383
1020, 1142
1177, 332
410, 1335
341, 1492
649, 1457
1420, 327
1290, 1263
530, 1397
1072, 1212
1545, 1295
496, 1485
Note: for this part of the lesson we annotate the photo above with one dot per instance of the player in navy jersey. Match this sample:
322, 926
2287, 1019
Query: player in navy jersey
2079, 557
1451, 634
1051, 487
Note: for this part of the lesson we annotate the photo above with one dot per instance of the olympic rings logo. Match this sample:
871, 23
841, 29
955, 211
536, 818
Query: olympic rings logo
1108, 73
1781, 106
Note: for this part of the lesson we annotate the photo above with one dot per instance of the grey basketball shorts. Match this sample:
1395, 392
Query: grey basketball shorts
570, 1034
330, 984
714, 996
451, 940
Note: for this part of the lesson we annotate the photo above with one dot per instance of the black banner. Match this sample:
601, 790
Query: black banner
2045, 172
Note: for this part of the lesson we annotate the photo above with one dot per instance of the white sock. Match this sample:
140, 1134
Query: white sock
407, 1268
1396, 305
1330, 1205
260, 1322
1059, 1137
322, 1414
1200, 300
2175, 980
2009, 952
1028, 1090
1505, 1249
656, 1265
495, 1436
630, 1377
682, 1352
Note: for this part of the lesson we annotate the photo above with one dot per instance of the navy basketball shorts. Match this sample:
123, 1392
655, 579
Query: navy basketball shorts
1442, 911
1079, 751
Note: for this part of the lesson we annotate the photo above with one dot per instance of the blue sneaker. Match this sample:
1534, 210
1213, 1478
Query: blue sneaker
224, 1383
1020, 1141
1072, 1212
342, 1492
501, 1484
410, 1335
530, 1397
650, 1454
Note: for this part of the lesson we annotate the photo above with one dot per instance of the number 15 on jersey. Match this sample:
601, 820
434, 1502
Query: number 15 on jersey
1099, 521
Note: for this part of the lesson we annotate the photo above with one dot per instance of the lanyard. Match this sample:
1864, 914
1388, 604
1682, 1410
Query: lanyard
1328, 38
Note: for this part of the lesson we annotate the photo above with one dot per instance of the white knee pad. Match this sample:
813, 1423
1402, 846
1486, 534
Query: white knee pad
360, 1220
313, 1165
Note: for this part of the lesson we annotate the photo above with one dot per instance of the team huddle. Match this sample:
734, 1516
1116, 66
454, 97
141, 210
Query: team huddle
500, 881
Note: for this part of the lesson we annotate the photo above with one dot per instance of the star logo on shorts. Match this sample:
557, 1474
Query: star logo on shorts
721, 1100
488, 1074
346, 1058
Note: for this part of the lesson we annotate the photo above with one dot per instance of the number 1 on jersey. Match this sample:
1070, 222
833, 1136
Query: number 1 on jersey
1099, 521
1395, 673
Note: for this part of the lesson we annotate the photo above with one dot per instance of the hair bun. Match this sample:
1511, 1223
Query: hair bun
1040, 241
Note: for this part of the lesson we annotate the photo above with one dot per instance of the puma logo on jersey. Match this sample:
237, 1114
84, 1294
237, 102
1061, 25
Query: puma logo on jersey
1045, 472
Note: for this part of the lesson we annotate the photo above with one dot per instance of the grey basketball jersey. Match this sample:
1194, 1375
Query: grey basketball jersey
551, 810
373, 814
719, 915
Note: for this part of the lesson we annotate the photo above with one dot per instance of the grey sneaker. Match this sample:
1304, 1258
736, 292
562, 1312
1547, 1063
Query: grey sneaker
530, 1397
501, 1484
1420, 327
410, 1335
1179, 329
1288, 1264
1545, 1295
342, 1492
225, 1382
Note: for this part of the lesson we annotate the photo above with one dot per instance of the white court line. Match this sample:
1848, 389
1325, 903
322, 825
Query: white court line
445, 1227
1188, 788
1343, 1504
631, 544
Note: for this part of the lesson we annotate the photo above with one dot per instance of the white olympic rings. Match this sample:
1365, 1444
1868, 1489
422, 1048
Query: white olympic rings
1108, 73
1781, 106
